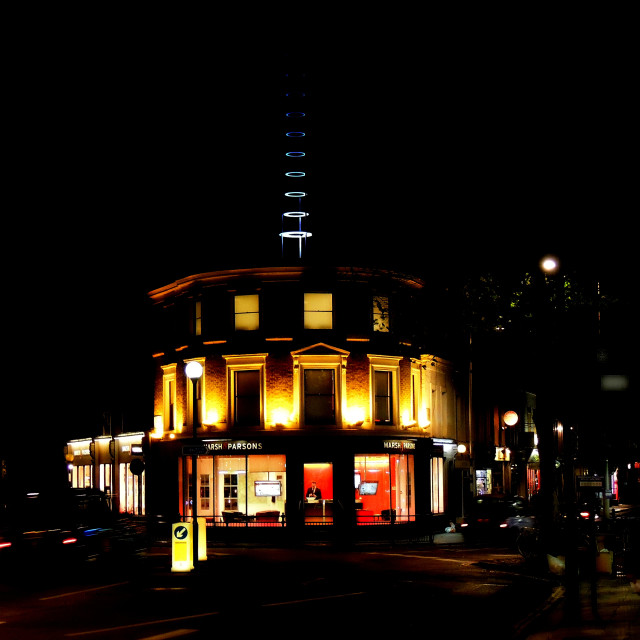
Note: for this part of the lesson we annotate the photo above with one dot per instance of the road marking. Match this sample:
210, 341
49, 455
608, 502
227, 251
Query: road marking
147, 623
417, 556
75, 593
197, 615
171, 634
340, 595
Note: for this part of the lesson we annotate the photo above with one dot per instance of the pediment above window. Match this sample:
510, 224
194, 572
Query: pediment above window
320, 349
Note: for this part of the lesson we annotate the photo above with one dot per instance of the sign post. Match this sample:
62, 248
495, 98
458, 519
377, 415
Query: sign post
181, 547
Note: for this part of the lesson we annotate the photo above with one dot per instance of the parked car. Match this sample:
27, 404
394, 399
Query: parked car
497, 518
68, 525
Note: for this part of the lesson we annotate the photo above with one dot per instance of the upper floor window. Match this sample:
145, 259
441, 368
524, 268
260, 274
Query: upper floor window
319, 385
380, 313
246, 397
169, 397
247, 312
384, 389
319, 397
318, 311
196, 321
246, 386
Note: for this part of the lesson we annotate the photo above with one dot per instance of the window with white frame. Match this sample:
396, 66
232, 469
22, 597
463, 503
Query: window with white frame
383, 396
247, 312
384, 389
169, 397
319, 402
246, 389
246, 397
319, 387
318, 311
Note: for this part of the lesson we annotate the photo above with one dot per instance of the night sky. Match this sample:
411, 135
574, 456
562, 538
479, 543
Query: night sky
138, 160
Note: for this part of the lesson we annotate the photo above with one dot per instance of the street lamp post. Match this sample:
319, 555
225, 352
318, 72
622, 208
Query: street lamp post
194, 373
461, 449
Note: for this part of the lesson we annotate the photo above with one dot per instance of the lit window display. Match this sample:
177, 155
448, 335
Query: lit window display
105, 478
82, 476
318, 488
384, 490
132, 491
437, 485
246, 490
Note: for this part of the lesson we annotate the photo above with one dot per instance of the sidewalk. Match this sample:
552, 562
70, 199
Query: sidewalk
613, 614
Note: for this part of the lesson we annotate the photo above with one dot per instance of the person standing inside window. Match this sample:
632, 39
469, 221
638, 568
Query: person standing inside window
313, 492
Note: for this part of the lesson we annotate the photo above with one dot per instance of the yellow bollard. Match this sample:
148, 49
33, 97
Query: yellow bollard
182, 546
202, 538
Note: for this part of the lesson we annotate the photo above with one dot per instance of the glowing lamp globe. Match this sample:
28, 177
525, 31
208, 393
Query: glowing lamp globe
510, 418
193, 370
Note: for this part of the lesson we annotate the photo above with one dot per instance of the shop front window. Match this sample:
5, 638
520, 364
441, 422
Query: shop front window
82, 476
318, 492
437, 485
131, 491
105, 478
384, 491
237, 490
484, 482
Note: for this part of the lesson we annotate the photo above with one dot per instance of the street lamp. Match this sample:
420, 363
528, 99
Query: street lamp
549, 264
193, 370
461, 449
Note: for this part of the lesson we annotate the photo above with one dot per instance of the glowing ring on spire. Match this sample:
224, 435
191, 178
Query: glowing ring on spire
295, 134
296, 234
295, 154
295, 214
296, 114
295, 174
295, 194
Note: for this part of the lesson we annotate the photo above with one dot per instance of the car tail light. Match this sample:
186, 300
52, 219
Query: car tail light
5, 545
464, 524
584, 514
503, 525
70, 541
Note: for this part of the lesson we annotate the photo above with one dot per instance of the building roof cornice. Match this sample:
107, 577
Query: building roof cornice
276, 274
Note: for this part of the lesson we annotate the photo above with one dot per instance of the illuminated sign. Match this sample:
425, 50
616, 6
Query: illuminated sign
402, 445
213, 447
589, 481
503, 454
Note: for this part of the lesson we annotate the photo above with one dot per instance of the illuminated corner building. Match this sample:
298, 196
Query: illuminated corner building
309, 374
